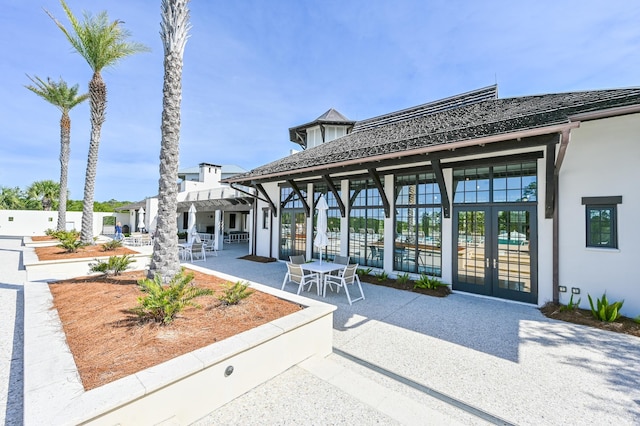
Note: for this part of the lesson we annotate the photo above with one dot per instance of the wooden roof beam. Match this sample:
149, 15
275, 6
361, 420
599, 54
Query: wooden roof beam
336, 194
260, 188
293, 184
444, 195
373, 173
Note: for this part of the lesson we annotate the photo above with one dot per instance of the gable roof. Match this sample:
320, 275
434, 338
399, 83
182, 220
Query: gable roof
442, 125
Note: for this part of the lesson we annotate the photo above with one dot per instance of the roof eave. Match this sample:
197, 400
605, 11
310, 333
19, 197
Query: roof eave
558, 128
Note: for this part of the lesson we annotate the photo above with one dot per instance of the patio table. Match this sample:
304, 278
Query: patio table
321, 269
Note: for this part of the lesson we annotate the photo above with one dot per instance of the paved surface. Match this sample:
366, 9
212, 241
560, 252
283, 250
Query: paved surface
404, 358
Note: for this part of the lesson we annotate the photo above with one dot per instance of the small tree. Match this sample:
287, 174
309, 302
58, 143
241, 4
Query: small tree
63, 97
45, 191
102, 44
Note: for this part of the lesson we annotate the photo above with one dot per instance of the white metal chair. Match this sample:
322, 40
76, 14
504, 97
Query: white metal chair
197, 249
208, 246
296, 275
297, 260
341, 260
347, 277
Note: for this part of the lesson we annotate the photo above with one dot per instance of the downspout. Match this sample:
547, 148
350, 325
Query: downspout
270, 235
564, 141
255, 227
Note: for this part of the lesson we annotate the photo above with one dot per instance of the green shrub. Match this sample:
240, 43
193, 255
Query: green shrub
64, 235
382, 276
571, 306
114, 266
49, 232
402, 278
234, 293
605, 311
163, 302
69, 241
637, 319
428, 282
361, 271
111, 245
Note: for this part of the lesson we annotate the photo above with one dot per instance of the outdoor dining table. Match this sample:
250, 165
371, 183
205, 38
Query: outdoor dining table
322, 268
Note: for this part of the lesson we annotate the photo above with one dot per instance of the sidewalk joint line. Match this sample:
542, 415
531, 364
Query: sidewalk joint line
425, 389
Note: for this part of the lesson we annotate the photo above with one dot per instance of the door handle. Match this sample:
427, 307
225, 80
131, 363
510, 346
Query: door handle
494, 263
487, 262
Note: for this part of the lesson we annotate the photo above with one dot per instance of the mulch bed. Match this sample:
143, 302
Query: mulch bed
443, 291
585, 317
40, 238
259, 259
109, 342
57, 253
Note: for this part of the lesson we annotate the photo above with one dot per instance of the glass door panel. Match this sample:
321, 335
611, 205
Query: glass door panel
512, 253
471, 252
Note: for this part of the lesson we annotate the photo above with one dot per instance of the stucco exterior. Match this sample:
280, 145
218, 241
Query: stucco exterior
602, 160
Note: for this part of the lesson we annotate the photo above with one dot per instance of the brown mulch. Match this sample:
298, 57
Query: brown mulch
57, 253
443, 291
41, 238
108, 342
260, 259
585, 317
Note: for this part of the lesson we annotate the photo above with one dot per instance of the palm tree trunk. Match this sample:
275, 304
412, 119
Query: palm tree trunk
98, 102
65, 149
165, 260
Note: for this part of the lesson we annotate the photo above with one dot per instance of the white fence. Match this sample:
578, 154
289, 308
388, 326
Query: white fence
21, 223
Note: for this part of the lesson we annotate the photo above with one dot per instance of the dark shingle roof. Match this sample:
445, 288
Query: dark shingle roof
475, 96
488, 117
297, 134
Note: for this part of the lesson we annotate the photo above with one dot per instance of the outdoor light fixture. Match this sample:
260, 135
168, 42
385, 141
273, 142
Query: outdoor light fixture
575, 290
228, 371
562, 289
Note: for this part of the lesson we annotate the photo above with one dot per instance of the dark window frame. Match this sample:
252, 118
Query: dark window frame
598, 204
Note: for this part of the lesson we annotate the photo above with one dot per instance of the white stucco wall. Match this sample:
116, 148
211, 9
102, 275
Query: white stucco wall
602, 160
21, 223
545, 241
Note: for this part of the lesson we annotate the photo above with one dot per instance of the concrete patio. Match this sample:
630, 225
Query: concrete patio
404, 358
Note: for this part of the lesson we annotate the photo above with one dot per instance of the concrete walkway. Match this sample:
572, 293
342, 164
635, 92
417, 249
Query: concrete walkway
405, 358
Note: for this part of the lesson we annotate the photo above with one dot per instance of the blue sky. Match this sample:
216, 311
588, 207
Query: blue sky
254, 68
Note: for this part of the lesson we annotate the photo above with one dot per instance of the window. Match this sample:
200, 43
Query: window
232, 221
366, 224
507, 183
418, 224
333, 221
265, 218
601, 221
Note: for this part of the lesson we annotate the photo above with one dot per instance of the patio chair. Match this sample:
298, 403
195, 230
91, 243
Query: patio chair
197, 249
296, 275
208, 246
297, 260
346, 278
342, 260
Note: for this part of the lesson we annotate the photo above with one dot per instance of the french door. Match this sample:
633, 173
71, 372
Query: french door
293, 233
495, 251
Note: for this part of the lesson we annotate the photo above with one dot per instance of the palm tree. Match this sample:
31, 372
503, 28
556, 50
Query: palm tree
46, 191
11, 198
174, 30
102, 44
63, 97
